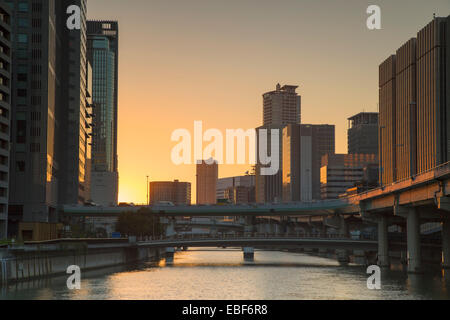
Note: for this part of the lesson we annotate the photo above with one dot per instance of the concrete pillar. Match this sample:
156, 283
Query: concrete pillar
170, 228
383, 244
413, 236
170, 253
343, 229
446, 244
249, 253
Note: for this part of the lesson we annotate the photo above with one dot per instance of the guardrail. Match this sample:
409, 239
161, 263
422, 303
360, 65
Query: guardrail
262, 236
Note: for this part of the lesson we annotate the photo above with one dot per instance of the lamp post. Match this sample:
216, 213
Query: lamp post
148, 200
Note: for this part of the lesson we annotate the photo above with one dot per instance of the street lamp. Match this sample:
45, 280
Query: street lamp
148, 200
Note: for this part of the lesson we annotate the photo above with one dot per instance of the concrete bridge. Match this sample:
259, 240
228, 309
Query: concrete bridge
343, 246
407, 204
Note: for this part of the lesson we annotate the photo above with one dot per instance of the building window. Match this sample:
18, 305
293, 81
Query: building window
22, 38
23, 7
20, 166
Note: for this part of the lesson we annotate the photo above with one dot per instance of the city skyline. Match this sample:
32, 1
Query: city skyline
159, 84
282, 144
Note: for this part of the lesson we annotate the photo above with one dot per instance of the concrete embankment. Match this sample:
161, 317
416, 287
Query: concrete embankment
52, 258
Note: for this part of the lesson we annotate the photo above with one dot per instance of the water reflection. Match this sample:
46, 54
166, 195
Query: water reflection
223, 274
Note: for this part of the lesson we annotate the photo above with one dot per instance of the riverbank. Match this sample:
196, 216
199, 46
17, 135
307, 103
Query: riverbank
40, 260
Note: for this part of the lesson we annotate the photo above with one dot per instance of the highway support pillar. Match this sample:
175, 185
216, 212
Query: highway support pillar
249, 253
170, 253
383, 244
446, 244
413, 241
343, 255
170, 228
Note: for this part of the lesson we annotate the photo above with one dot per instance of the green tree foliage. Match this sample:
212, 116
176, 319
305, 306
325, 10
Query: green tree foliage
140, 223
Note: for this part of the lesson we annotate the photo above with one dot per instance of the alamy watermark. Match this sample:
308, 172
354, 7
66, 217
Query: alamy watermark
74, 280
374, 280
221, 147
374, 20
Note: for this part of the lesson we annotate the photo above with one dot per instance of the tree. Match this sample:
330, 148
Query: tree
140, 223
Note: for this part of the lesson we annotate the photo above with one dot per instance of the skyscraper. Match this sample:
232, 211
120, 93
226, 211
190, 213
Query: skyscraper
50, 118
303, 148
363, 133
415, 104
36, 108
280, 108
103, 53
207, 176
5, 114
75, 117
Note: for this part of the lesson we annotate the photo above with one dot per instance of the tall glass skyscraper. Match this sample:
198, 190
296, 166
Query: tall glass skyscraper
103, 55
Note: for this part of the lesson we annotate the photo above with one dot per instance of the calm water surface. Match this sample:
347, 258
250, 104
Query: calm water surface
223, 274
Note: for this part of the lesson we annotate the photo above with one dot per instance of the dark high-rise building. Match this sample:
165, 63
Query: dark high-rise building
303, 148
269, 188
103, 53
415, 104
75, 118
37, 104
49, 118
5, 113
363, 133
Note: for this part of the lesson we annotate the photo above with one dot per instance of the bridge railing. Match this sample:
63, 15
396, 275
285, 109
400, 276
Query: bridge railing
200, 237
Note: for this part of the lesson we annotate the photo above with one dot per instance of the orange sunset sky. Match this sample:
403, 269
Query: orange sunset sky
211, 60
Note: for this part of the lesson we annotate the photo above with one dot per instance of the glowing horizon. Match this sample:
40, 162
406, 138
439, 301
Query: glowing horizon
182, 61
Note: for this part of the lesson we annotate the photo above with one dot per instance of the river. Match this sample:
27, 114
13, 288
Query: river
223, 275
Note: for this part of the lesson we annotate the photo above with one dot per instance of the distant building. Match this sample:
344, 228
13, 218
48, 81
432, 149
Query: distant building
341, 172
303, 147
237, 190
207, 176
280, 108
363, 133
414, 107
103, 53
179, 193
5, 114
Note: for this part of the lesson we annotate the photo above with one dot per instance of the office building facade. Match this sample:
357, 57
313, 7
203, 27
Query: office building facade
75, 120
103, 53
207, 177
5, 114
341, 172
303, 148
237, 190
36, 107
176, 192
363, 133
281, 107
415, 104
49, 118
